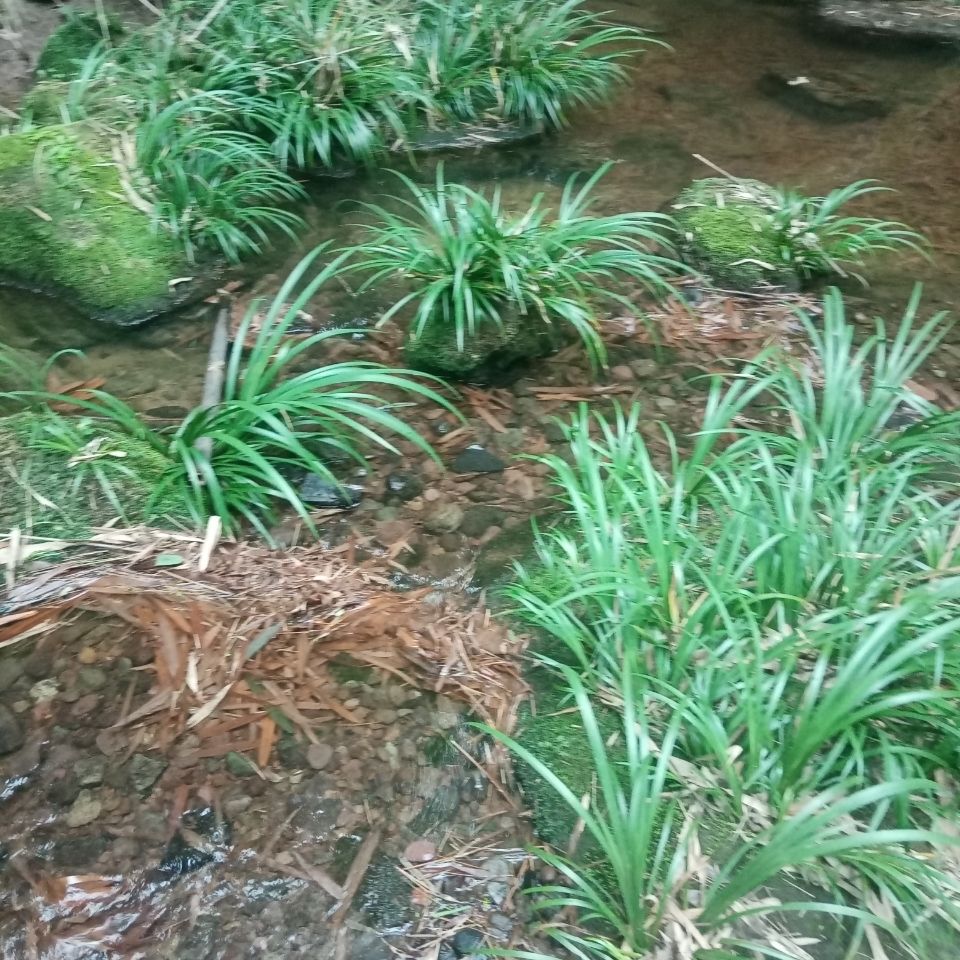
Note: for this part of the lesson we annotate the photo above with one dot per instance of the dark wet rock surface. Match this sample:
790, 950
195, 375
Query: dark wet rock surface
926, 22
320, 492
477, 459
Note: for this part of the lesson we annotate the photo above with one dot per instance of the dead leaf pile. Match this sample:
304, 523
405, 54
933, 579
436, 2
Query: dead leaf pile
243, 650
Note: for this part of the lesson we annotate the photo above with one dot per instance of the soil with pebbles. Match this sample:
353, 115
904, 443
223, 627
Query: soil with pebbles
111, 848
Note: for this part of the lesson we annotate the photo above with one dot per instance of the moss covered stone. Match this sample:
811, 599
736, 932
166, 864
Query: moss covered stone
727, 233
73, 41
494, 354
67, 229
45, 493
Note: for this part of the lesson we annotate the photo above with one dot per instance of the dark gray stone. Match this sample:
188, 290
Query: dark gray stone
11, 670
401, 487
144, 770
11, 732
477, 459
829, 96
467, 941
929, 23
478, 520
320, 492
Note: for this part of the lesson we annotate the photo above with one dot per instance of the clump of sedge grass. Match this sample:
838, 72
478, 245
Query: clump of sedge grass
470, 263
792, 602
271, 424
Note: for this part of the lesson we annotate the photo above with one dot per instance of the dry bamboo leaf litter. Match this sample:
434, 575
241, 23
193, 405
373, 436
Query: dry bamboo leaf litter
245, 646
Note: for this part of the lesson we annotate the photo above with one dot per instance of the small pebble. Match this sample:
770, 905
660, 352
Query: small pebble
421, 851
319, 755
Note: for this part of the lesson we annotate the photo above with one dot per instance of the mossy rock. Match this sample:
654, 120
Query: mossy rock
727, 234
492, 355
47, 496
73, 41
66, 229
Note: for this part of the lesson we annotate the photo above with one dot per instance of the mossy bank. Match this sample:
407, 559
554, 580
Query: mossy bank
67, 228
727, 232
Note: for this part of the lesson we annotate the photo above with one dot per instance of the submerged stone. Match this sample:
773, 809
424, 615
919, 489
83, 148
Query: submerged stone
210, 838
66, 229
726, 233
827, 95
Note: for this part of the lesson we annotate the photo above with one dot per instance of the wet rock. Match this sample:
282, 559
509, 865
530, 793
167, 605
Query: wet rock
367, 944
553, 432
478, 520
826, 95
727, 233
90, 679
320, 492
292, 752
401, 487
384, 895
441, 428
43, 691
499, 874
501, 925
11, 670
143, 771
447, 713
40, 663
86, 808
643, 368
104, 255
316, 813
467, 941
78, 852
420, 851
239, 764
936, 22
443, 518
203, 838
11, 732
89, 771
477, 459
64, 789
621, 373
319, 755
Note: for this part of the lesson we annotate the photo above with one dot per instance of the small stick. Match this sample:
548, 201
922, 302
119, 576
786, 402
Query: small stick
719, 170
216, 368
215, 11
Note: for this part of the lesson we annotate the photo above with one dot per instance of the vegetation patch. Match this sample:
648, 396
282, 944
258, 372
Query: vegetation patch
489, 288
772, 618
745, 234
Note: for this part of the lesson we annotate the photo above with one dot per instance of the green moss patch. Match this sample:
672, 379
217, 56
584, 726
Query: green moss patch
66, 228
493, 354
73, 42
727, 234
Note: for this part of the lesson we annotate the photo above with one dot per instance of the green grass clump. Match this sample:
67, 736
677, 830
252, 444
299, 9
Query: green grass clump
309, 85
65, 476
479, 275
775, 614
239, 459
